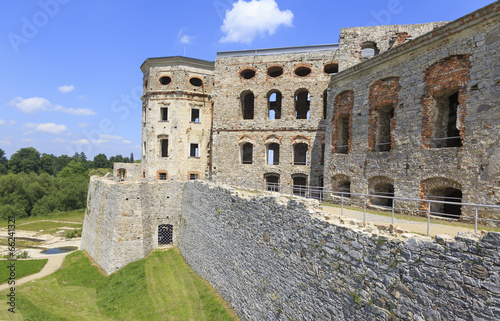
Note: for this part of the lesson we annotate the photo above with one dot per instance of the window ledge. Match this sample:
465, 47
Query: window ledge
195, 122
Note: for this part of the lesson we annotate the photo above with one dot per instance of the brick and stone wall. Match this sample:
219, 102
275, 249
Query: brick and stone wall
273, 258
414, 77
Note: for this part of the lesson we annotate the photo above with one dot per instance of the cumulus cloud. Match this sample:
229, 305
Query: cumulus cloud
75, 111
50, 128
185, 39
66, 88
30, 105
247, 20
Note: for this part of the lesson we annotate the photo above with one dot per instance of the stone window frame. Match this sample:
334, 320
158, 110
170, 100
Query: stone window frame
275, 66
328, 64
433, 183
161, 171
199, 115
165, 75
376, 182
161, 138
268, 97
342, 106
303, 65
242, 153
198, 149
162, 108
193, 173
308, 153
372, 45
339, 182
268, 185
196, 77
243, 104
247, 68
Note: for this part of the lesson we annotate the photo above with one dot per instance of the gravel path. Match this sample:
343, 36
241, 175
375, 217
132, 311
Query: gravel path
406, 225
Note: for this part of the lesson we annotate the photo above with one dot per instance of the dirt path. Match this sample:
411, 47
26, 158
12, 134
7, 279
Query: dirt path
411, 226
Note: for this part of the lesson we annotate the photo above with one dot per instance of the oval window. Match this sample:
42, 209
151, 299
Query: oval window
165, 80
331, 68
275, 71
247, 74
195, 81
302, 71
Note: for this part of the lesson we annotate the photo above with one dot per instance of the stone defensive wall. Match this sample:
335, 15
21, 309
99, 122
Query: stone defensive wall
275, 258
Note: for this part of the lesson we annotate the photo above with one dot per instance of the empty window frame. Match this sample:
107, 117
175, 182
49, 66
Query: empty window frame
446, 194
272, 182
162, 175
164, 147
274, 99
121, 173
144, 150
273, 154
299, 184
385, 191
385, 114
164, 113
445, 131
300, 153
193, 176
322, 159
343, 134
369, 49
247, 153
247, 104
194, 150
195, 115
302, 105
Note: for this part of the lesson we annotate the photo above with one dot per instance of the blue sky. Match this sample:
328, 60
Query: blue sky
69, 70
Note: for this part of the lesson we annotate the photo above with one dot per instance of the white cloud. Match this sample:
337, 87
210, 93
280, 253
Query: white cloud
12, 122
4, 142
105, 138
75, 111
59, 141
247, 20
28, 140
30, 105
185, 39
81, 142
50, 128
66, 88
2, 122
84, 125
126, 141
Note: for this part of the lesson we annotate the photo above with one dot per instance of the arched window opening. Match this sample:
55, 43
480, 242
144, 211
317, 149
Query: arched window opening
247, 74
275, 71
247, 153
386, 192
165, 234
343, 134
302, 105
384, 115
341, 185
299, 184
247, 102
300, 154
273, 154
446, 132
274, 104
369, 49
272, 182
446, 194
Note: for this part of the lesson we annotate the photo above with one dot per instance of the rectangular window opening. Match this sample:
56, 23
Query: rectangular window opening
194, 151
164, 113
383, 135
195, 115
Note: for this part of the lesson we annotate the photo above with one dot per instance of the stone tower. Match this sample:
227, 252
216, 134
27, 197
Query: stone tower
176, 118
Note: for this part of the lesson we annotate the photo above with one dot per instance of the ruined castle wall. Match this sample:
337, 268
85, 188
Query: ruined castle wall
460, 57
132, 170
122, 218
383, 37
277, 259
231, 130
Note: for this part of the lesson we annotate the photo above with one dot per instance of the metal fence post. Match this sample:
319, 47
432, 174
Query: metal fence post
428, 217
392, 221
364, 212
475, 222
342, 206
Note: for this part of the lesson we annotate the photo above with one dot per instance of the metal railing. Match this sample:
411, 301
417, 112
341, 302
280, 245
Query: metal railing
400, 205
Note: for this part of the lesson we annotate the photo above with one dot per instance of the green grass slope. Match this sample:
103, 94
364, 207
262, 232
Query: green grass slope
160, 287
23, 268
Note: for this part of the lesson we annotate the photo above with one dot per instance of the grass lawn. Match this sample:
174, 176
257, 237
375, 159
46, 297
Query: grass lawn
23, 268
71, 217
45, 225
159, 287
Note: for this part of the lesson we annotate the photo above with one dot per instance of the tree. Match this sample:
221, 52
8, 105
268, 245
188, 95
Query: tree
73, 169
101, 161
131, 157
48, 164
25, 160
61, 162
3, 158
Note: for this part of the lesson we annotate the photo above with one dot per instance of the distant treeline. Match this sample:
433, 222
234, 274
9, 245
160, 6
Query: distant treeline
37, 184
